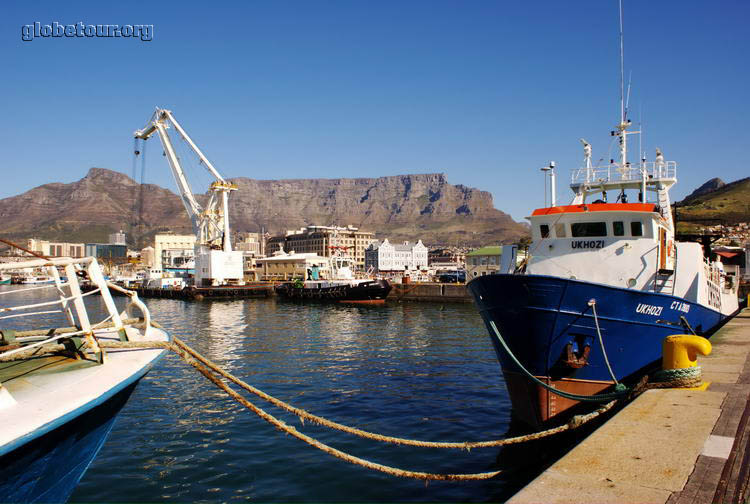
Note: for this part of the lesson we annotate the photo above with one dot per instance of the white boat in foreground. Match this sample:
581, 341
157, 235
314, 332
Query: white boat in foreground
60, 391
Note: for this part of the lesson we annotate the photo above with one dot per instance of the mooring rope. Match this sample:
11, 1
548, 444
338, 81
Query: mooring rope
284, 427
677, 378
305, 415
209, 370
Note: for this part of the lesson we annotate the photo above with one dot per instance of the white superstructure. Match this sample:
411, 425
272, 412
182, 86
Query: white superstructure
630, 245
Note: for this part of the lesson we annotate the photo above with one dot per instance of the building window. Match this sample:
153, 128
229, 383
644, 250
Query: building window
618, 228
544, 229
636, 228
585, 229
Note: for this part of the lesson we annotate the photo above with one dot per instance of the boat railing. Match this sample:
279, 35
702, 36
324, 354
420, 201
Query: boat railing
614, 173
70, 302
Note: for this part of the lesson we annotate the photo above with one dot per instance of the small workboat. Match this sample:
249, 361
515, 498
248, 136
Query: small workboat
60, 389
5, 279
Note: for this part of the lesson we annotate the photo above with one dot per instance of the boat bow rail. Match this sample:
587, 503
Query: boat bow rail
70, 302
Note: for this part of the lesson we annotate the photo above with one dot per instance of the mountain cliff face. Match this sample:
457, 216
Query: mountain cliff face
402, 207
422, 206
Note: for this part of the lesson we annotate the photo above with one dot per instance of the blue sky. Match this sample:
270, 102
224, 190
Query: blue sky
486, 92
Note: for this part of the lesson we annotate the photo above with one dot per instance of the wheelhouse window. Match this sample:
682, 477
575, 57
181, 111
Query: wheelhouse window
544, 229
636, 228
560, 230
618, 228
584, 229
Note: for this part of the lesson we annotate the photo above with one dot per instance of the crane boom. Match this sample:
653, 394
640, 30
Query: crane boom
210, 225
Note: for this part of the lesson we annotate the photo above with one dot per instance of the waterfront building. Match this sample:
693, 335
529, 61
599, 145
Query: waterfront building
275, 244
323, 241
106, 251
446, 259
387, 256
449, 255
251, 270
178, 259
168, 246
288, 266
55, 249
483, 261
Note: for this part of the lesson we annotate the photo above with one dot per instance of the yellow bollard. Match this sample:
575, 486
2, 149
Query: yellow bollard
680, 351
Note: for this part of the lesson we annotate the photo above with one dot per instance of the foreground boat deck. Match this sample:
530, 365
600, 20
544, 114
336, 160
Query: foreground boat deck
13, 372
668, 446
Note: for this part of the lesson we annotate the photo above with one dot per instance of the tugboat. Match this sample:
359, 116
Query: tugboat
342, 287
603, 284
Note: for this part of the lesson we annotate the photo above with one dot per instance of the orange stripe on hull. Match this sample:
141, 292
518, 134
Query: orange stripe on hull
535, 405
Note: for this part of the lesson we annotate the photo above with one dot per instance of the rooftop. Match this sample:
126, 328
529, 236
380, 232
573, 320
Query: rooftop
489, 250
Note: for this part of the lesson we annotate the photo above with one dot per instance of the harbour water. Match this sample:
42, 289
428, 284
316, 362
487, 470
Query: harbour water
423, 371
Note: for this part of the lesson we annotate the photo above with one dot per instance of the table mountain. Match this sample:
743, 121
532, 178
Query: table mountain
404, 207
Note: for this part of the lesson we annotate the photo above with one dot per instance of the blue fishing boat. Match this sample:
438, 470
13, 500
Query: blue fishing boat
603, 284
60, 390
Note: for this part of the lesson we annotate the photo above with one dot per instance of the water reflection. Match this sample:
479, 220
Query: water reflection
421, 371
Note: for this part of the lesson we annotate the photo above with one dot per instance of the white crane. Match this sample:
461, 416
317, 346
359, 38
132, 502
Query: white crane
215, 262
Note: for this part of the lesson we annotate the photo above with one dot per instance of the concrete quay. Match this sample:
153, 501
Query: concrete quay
669, 445
430, 292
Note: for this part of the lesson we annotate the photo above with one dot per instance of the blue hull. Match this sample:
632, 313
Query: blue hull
48, 468
545, 319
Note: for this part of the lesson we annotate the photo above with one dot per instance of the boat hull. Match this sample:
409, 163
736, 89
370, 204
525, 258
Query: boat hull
48, 468
549, 325
374, 291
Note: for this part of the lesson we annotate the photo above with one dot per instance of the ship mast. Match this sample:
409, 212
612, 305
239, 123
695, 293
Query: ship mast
621, 130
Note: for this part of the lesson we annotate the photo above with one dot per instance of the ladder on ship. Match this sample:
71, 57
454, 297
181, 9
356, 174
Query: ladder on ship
665, 279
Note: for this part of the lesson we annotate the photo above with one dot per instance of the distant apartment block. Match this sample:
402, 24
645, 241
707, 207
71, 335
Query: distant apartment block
169, 246
251, 244
117, 238
323, 241
56, 249
107, 251
387, 256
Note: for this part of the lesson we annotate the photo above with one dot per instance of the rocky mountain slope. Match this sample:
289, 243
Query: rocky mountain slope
710, 186
422, 206
728, 203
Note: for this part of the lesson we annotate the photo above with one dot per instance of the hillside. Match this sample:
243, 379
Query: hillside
729, 203
401, 207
